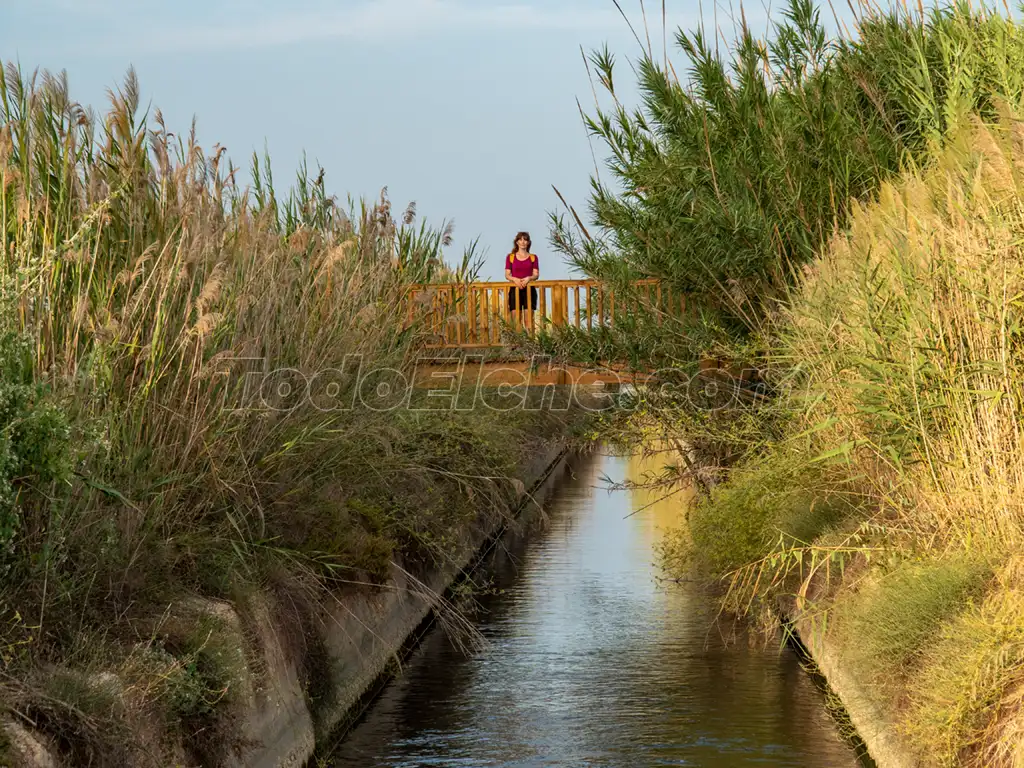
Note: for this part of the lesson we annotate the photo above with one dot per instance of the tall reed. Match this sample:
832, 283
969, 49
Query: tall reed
144, 291
738, 165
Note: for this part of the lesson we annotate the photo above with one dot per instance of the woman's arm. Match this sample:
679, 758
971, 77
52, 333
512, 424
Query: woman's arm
536, 271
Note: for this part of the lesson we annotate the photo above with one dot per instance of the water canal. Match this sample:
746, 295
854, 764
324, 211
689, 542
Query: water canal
589, 661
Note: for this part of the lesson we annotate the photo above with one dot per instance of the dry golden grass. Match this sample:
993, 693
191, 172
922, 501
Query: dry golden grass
908, 331
893, 507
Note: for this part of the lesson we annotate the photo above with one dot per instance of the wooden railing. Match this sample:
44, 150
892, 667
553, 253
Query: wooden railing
473, 314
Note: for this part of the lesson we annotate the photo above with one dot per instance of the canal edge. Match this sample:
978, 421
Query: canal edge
532, 497
875, 734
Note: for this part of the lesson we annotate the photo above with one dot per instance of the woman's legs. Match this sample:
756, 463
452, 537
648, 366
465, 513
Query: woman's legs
523, 302
532, 306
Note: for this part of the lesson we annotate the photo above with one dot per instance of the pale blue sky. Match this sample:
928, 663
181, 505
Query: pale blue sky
465, 106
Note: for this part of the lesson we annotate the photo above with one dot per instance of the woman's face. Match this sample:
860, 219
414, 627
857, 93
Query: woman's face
523, 243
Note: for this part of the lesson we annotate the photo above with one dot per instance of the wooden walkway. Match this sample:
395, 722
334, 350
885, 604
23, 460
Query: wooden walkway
472, 315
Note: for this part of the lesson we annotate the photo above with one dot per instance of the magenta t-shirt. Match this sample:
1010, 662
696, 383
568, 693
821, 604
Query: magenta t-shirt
521, 267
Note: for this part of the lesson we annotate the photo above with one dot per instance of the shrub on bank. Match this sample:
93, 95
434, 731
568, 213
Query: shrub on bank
770, 506
896, 614
35, 439
964, 700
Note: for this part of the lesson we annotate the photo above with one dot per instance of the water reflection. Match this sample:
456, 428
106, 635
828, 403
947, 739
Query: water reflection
591, 663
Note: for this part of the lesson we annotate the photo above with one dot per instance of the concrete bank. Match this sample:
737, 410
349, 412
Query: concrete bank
874, 728
362, 639
305, 681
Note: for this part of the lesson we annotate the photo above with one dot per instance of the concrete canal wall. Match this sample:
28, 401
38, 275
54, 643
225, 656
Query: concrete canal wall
303, 683
874, 728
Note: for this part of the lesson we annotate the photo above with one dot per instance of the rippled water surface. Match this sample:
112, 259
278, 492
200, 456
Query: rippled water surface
590, 662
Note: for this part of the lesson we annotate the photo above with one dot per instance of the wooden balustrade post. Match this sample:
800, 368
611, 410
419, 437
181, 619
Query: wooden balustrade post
473, 331
485, 311
517, 323
558, 305
542, 295
496, 314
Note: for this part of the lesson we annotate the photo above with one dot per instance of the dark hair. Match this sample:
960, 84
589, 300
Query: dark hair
515, 243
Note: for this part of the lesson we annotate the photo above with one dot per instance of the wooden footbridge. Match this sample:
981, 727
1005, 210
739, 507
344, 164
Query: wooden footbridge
471, 318
463, 316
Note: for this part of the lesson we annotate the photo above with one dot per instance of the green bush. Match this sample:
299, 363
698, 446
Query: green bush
35, 435
776, 502
959, 695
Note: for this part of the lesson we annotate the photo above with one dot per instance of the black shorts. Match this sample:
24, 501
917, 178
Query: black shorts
522, 298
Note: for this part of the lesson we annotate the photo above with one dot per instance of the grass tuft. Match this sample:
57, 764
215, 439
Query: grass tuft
965, 700
894, 618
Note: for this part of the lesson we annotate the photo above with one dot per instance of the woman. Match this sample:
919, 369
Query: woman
521, 269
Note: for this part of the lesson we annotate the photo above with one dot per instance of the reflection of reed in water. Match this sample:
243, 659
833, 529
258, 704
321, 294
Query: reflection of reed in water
656, 506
